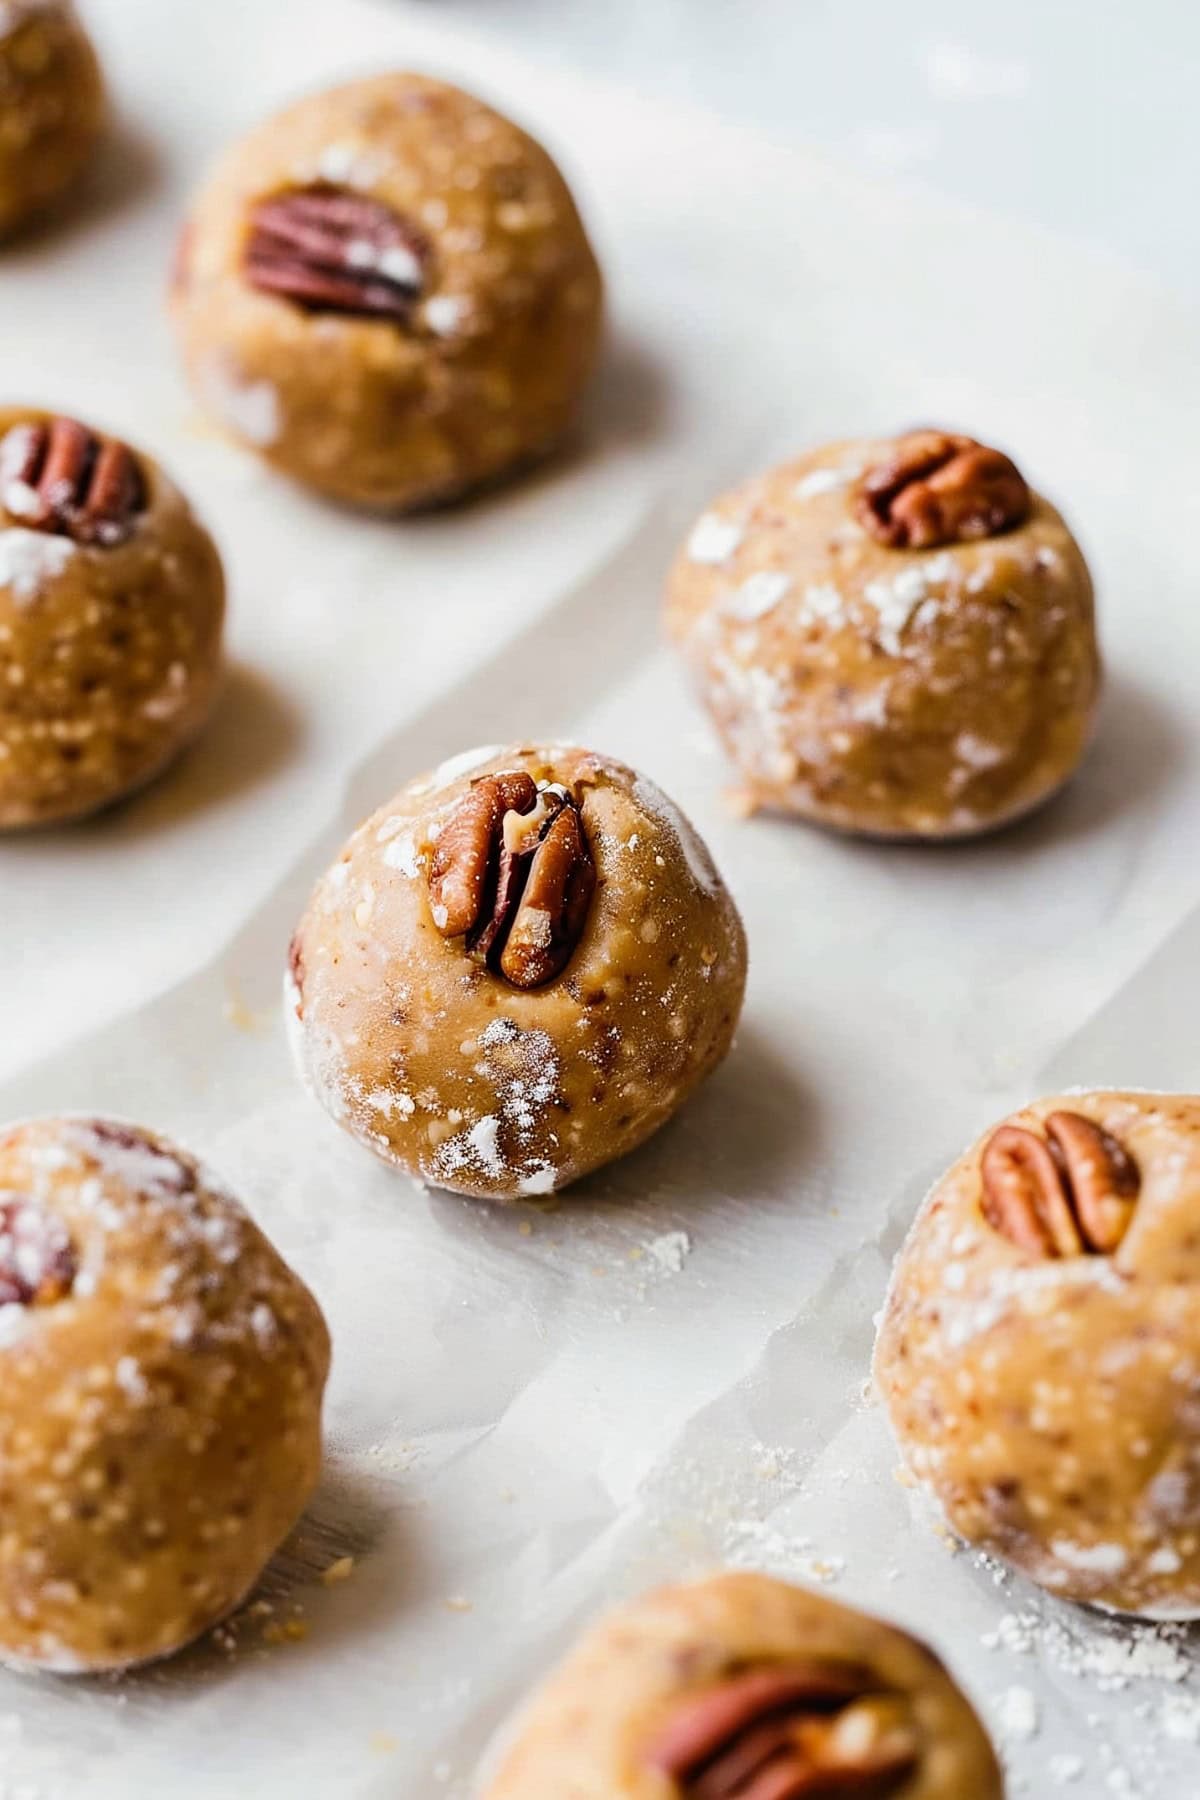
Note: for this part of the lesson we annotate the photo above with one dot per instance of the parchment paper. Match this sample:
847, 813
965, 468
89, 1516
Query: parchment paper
533, 1411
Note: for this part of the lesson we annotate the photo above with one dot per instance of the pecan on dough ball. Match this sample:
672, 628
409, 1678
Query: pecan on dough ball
515, 971
160, 1407
745, 1688
112, 601
52, 106
893, 637
1039, 1349
388, 293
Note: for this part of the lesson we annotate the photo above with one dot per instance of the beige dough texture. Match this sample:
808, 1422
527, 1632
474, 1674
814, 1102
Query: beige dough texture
160, 1408
745, 1688
112, 602
387, 292
1040, 1347
502, 1040
52, 106
911, 658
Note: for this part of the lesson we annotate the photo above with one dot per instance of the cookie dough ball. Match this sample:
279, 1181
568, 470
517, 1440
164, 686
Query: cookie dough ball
515, 971
893, 637
388, 293
111, 607
1039, 1349
52, 106
160, 1408
744, 1688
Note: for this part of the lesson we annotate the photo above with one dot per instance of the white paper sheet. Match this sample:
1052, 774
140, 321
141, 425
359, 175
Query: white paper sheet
535, 1412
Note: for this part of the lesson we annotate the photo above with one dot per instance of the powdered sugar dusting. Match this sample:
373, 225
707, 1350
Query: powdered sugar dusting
700, 864
758, 595
29, 560
714, 539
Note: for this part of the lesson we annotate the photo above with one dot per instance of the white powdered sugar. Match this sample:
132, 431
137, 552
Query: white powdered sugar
1017, 1715
402, 854
524, 1072
824, 481
670, 1250
171, 696
758, 595
822, 600
454, 766
446, 314
31, 559
700, 865
714, 539
251, 409
396, 262
351, 165
896, 600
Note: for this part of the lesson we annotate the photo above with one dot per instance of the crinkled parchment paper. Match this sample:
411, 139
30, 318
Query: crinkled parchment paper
536, 1411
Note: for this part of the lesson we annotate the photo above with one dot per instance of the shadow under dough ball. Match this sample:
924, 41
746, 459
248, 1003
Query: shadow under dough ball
1039, 1348
515, 971
745, 1688
52, 106
160, 1407
112, 602
892, 636
387, 292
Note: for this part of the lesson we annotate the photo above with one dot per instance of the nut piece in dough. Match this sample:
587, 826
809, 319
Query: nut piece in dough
515, 971
1039, 1347
893, 637
388, 293
52, 106
160, 1408
112, 601
745, 1688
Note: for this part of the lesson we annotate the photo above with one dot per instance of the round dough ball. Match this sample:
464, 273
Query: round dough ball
52, 106
112, 601
893, 637
388, 293
1039, 1348
515, 971
160, 1409
725, 1687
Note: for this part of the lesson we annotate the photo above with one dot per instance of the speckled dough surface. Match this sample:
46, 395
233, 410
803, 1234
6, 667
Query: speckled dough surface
630, 1715
388, 293
161, 1396
52, 106
110, 631
1047, 1401
897, 691
441, 1065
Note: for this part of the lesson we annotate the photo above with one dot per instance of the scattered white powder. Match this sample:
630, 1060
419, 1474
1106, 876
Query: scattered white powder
714, 539
670, 1250
446, 313
454, 766
1112, 1657
249, 408
170, 697
401, 854
1099, 1559
1017, 1715
896, 600
539, 1180
758, 595
824, 481
29, 559
651, 798
976, 752
350, 165
824, 601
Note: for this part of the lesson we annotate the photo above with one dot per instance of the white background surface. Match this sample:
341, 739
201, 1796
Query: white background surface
1076, 114
526, 1420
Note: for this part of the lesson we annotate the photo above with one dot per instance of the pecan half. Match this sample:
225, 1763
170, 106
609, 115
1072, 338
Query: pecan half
63, 479
785, 1731
939, 488
37, 1258
1071, 1193
512, 873
329, 250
